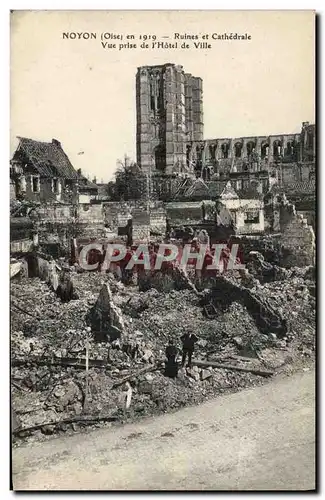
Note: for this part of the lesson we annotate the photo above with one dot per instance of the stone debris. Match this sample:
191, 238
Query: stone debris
238, 341
128, 395
105, 317
205, 374
126, 378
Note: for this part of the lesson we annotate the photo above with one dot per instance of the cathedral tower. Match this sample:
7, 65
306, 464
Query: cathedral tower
169, 115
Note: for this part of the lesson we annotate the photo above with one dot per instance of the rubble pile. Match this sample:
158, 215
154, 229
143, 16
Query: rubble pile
63, 379
265, 271
296, 304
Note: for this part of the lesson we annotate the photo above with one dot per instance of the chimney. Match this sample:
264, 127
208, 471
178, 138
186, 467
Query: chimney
56, 142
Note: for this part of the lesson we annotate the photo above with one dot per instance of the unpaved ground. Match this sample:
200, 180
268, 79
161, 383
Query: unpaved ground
258, 439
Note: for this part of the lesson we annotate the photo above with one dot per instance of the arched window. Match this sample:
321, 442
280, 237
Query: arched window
265, 150
289, 149
277, 149
152, 94
238, 149
160, 158
250, 147
225, 150
212, 151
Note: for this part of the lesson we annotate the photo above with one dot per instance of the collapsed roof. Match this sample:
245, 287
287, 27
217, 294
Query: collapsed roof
46, 159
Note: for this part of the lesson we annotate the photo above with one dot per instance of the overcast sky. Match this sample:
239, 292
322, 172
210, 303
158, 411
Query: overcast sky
84, 95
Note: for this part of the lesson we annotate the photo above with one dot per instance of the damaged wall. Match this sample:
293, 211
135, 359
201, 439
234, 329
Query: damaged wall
45, 190
247, 214
187, 212
298, 237
90, 213
140, 225
12, 192
116, 215
44, 267
294, 172
158, 220
21, 246
90, 218
309, 215
57, 224
60, 223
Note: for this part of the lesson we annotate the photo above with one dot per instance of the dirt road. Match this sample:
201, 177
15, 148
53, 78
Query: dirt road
258, 439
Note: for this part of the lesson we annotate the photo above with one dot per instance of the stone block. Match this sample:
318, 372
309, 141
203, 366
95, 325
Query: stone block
205, 374
145, 387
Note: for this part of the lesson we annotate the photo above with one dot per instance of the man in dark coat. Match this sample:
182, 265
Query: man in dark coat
188, 341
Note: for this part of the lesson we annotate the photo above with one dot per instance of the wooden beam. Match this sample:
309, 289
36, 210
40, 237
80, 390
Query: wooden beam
147, 369
213, 364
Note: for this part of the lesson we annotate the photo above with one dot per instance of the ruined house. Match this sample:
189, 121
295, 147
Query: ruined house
247, 213
42, 172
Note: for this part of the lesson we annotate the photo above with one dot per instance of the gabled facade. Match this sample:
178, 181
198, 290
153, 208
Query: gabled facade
42, 172
247, 213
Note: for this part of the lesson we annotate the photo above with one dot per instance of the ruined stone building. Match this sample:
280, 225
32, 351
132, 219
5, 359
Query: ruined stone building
170, 144
42, 172
169, 115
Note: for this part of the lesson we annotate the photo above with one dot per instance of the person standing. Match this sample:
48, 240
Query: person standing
171, 366
188, 343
